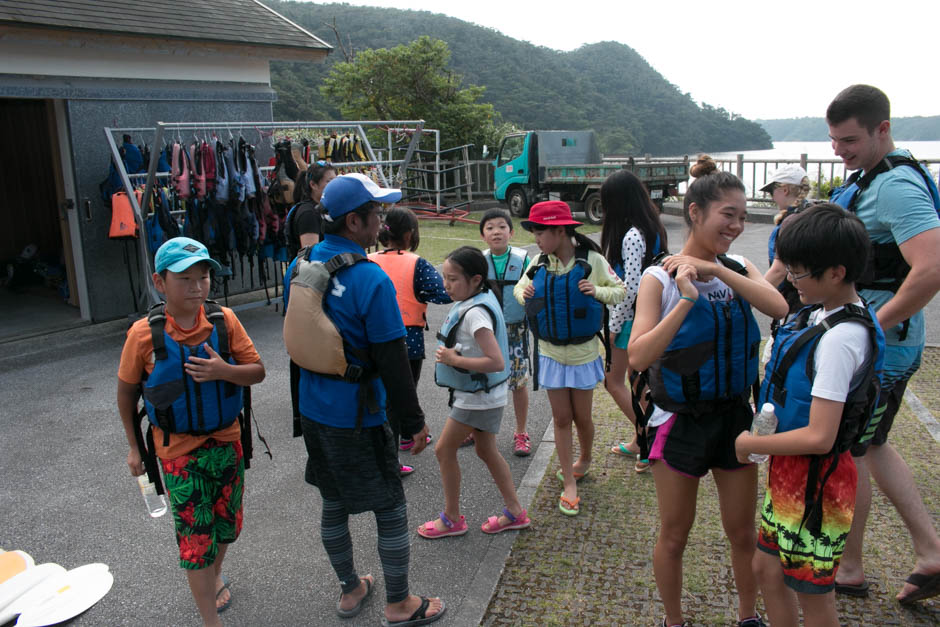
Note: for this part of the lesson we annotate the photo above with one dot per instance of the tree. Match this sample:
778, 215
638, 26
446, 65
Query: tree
411, 82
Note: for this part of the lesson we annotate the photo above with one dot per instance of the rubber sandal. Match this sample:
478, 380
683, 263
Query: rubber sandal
569, 507
515, 522
430, 531
857, 590
641, 465
521, 445
578, 476
419, 617
467, 441
622, 450
225, 586
927, 586
354, 611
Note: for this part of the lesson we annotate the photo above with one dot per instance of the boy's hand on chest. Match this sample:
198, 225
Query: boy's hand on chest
202, 369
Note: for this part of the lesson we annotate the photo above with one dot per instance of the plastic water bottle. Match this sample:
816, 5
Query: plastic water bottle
156, 504
765, 423
458, 347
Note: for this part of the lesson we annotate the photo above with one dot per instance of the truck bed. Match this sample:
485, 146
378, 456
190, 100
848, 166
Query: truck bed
650, 172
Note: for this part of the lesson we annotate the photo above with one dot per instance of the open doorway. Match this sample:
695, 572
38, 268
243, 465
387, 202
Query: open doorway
37, 278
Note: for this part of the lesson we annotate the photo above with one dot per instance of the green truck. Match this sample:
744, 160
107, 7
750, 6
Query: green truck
566, 165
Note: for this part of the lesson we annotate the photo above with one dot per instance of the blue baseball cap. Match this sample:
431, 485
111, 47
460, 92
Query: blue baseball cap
179, 253
350, 191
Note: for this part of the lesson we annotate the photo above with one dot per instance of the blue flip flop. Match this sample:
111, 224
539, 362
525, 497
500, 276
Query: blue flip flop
225, 586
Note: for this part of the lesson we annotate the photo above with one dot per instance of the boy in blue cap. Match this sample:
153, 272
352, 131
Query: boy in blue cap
193, 415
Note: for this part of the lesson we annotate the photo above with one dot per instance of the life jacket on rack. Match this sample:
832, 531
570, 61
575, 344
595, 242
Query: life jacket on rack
515, 266
199, 172
312, 338
711, 360
400, 266
788, 384
123, 223
459, 378
173, 400
886, 268
180, 171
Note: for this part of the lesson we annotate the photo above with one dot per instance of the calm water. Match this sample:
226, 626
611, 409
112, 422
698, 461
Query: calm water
823, 150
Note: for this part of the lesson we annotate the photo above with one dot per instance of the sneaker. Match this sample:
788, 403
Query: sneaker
753, 621
521, 446
407, 443
405, 470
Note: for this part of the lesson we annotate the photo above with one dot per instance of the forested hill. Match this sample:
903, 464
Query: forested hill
815, 129
606, 86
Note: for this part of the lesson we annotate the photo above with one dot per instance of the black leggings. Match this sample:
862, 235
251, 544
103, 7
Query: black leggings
393, 544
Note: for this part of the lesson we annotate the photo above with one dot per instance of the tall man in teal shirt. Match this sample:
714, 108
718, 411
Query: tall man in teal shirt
897, 209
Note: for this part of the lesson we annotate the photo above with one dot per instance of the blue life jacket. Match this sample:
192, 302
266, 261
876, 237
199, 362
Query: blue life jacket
559, 312
648, 258
788, 384
513, 312
465, 380
789, 375
713, 358
173, 401
886, 267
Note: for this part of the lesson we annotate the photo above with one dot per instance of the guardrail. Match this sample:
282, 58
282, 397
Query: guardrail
821, 172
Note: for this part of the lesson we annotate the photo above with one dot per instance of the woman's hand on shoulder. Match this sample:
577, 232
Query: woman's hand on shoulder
705, 270
685, 274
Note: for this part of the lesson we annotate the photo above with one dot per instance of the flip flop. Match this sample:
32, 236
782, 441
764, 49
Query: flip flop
621, 449
354, 610
578, 476
452, 528
857, 590
419, 617
927, 586
641, 465
225, 586
515, 522
568, 507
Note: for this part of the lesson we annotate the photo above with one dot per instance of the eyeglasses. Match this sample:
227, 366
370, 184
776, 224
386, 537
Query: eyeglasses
797, 277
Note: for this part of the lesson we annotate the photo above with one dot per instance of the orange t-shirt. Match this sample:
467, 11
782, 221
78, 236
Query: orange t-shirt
137, 358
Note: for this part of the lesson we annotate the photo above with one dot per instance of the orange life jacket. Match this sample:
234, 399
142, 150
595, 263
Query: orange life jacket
400, 266
123, 224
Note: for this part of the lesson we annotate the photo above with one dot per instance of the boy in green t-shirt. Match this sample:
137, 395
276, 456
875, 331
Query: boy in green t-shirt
506, 265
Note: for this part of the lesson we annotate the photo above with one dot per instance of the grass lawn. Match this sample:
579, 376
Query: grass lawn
438, 237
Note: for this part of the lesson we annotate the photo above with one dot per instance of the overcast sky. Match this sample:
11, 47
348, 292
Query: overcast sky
756, 58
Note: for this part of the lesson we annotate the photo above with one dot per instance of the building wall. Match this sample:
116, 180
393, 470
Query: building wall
62, 54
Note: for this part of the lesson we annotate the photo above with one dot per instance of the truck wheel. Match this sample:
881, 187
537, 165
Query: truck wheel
518, 205
593, 211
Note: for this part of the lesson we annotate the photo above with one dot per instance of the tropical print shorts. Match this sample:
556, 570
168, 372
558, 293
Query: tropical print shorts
809, 556
518, 355
205, 489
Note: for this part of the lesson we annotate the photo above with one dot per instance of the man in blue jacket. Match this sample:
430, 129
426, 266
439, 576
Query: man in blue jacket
352, 455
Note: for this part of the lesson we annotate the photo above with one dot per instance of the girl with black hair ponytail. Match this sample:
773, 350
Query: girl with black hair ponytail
304, 218
473, 362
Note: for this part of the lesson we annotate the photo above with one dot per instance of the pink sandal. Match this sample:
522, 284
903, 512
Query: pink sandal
430, 531
515, 522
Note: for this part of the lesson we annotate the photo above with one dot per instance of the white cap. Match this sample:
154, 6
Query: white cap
790, 173
767, 408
